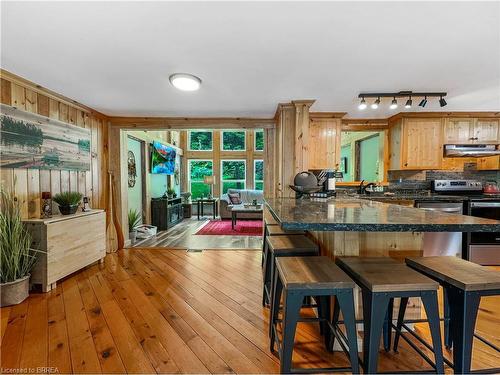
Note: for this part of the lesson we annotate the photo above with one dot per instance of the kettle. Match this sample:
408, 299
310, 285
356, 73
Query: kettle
490, 188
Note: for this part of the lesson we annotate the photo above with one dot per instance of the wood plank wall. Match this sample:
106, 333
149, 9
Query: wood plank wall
29, 183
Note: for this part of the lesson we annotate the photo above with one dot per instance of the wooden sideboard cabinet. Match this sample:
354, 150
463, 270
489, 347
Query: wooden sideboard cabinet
165, 213
69, 243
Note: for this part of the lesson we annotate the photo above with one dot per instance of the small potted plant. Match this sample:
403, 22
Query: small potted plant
17, 258
134, 220
68, 202
171, 193
186, 197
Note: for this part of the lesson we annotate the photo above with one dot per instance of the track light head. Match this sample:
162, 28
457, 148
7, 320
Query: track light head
408, 103
394, 104
423, 102
362, 105
442, 102
375, 104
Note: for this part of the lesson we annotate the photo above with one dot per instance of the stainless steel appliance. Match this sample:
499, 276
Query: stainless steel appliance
442, 243
481, 248
471, 150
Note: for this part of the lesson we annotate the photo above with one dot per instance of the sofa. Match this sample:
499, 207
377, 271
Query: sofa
246, 196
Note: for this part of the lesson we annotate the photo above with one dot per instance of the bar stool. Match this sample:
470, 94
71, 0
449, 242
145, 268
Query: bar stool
272, 229
314, 276
283, 246
464, 283
380, 283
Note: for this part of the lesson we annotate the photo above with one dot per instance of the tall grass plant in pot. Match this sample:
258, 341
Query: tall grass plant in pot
16, 256
134, 219
68, 201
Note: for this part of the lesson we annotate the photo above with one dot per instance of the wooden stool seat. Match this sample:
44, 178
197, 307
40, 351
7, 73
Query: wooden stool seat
464, 283
381, 281
314, 273
386, 276
290, 245
319, 277
276, 230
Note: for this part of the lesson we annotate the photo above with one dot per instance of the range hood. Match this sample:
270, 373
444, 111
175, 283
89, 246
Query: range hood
476, 151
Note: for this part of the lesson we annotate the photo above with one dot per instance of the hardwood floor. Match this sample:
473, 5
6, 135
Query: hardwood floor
181, 237
170, 311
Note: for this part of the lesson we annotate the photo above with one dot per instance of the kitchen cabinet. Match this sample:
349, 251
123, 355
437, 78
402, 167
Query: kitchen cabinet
416, 143
490, 163
471, 131
324, 143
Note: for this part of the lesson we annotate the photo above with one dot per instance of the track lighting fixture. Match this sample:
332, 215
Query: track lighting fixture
375, 104
401, 94
362, 105
394, 104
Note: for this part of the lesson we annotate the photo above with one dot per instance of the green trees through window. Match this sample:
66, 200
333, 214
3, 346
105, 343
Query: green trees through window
200, 140
233, 141
259, 140
258, 174
233, 174
197, 170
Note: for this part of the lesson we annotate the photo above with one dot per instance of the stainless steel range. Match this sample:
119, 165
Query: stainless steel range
481, 248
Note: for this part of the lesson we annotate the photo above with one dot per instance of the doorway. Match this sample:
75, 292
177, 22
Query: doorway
136, 167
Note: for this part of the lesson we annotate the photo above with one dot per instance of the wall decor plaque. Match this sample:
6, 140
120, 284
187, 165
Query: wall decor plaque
28, 140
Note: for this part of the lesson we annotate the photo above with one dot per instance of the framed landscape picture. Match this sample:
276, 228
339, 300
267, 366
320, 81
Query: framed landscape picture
29, 140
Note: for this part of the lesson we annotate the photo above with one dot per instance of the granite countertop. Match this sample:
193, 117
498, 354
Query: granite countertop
363, 215
417, 197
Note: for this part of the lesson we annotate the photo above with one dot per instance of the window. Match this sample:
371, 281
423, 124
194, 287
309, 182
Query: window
258, 174
197, 170
233, 141
233, 174
200, 140
259, 140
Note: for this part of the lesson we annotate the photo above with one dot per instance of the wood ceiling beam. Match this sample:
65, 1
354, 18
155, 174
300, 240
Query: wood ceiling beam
184, 123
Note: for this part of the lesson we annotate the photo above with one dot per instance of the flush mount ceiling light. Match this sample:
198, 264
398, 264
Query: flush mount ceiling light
185, 81
401, 94
362, 105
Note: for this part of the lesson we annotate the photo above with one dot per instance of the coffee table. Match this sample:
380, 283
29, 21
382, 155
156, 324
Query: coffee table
239, 209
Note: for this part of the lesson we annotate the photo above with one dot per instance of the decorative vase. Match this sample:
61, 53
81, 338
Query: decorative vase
68, 210
133, 236
14, 292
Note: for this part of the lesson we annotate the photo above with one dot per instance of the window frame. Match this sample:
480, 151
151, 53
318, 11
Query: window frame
189, 171
200, 131
255, 140
255, 174
222, 174
233, 131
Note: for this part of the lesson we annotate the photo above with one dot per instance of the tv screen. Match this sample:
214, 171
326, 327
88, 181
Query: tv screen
162, 158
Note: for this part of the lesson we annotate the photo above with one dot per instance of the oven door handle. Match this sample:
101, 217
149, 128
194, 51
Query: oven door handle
484, 204
443, 209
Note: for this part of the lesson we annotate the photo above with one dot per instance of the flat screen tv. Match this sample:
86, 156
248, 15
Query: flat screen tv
162, 159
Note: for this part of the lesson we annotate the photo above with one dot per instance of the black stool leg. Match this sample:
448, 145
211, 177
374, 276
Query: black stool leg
374, 310
401, 315
291, 310
388, 326
275, 307
264, 245
431, 309
324, 311
345, 301
266, 275
335, 319
446, 309
463, 308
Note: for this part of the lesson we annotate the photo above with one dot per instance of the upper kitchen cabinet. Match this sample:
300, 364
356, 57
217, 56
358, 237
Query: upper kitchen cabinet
324, 143
471, 131
416, 143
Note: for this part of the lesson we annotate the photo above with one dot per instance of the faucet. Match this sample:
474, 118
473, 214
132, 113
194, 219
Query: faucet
362, 188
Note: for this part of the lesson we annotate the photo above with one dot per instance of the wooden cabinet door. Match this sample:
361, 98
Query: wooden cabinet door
488, 164
486, 131
422, 143
458, 131
324, 143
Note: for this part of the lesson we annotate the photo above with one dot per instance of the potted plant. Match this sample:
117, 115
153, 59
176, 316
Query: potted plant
133, 221
171, 193
186, 197
68, 201
17, 258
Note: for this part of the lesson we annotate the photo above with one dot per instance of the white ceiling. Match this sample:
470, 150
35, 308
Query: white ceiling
116, 56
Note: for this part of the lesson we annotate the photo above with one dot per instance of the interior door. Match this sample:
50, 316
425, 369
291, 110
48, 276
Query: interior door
135, 176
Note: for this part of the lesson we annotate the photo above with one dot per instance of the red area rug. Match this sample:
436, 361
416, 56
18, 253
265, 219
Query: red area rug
223, 228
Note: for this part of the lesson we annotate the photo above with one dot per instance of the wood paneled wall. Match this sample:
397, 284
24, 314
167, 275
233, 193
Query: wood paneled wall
29, 183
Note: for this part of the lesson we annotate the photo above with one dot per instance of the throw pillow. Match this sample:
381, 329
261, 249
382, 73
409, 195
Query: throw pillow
234, 198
